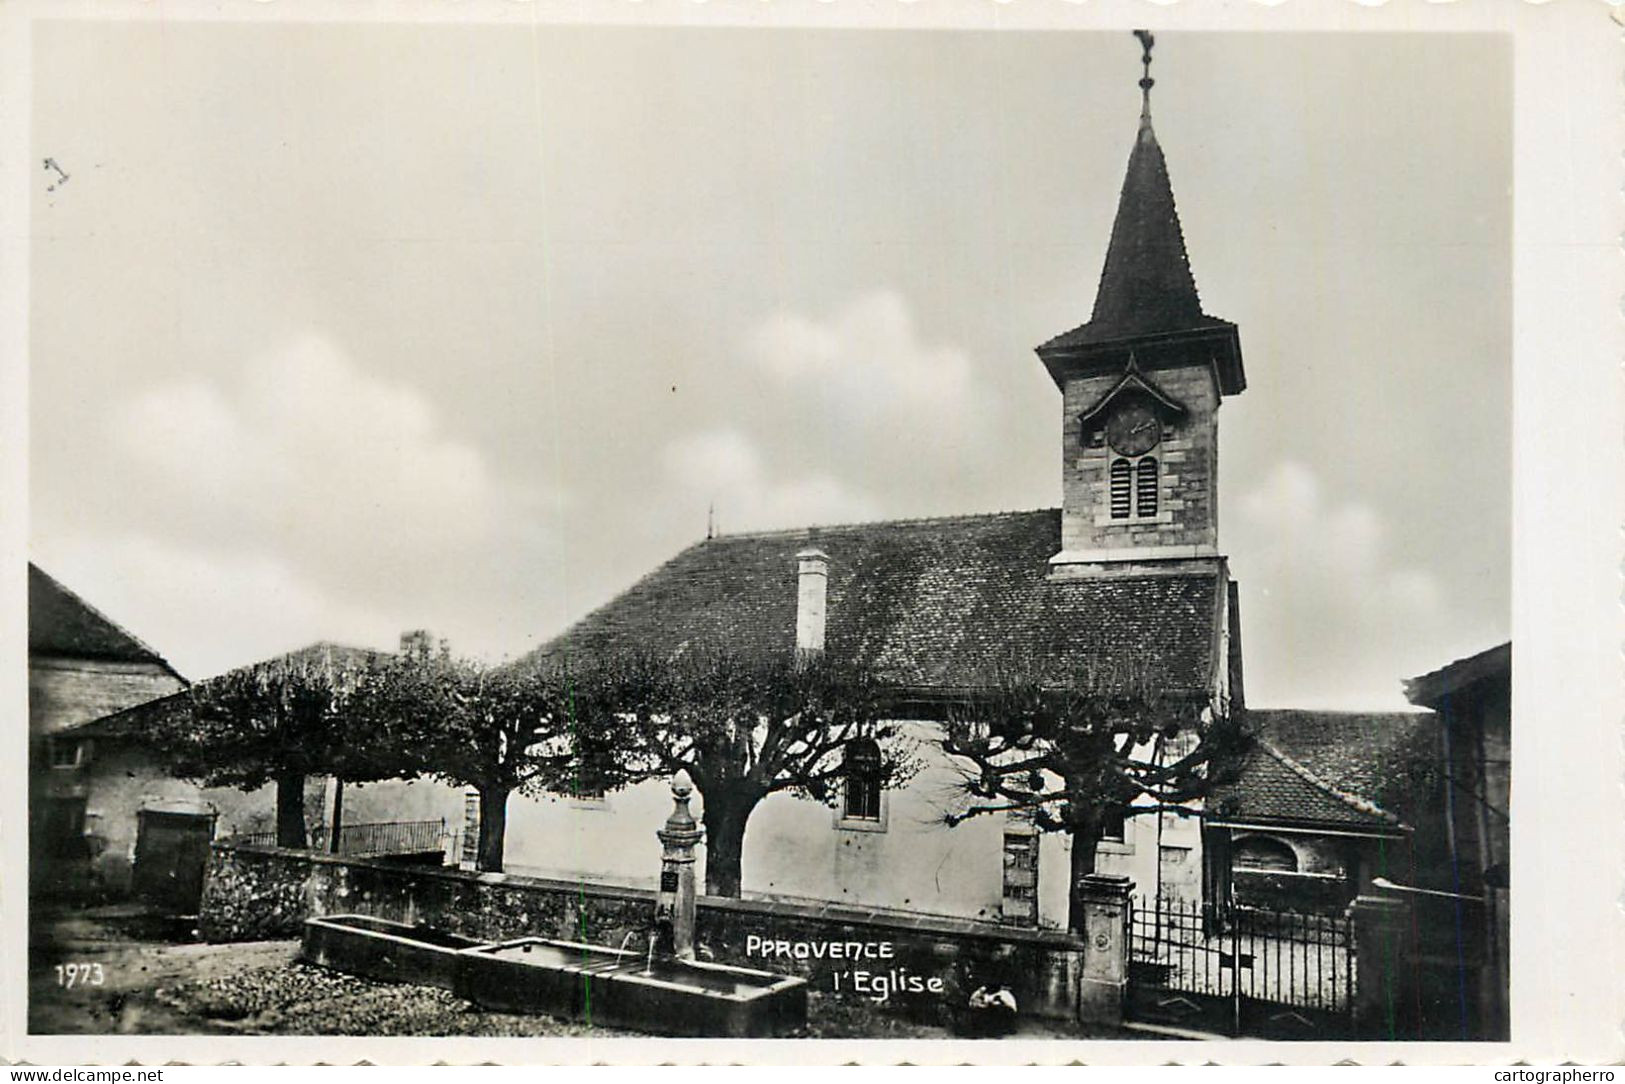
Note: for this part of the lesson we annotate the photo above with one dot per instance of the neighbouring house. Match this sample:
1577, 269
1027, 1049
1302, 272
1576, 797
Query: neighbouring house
138, 794
1323, 802
81, 666
146, 833
1472, 699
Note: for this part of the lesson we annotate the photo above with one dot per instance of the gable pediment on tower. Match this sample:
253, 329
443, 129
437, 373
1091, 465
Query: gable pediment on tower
1133, 382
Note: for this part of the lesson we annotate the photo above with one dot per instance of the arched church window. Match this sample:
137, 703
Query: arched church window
1145, 487
1264, 853
860, 768
1122, 486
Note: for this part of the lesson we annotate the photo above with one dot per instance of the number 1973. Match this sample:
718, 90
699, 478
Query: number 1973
71, 975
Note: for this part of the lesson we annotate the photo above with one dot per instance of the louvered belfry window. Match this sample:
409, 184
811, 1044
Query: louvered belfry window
1145, 487
1122, 488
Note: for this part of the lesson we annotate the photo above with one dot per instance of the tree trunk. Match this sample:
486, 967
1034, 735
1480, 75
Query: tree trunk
290, 810
1085, 844
338, 817
493, 829
724, 841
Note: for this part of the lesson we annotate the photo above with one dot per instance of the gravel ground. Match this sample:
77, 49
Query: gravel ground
152, 987
297, 999
158, 987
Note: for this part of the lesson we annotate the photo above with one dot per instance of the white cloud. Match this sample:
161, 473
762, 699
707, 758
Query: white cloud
867, 365
1336, 620
204, 610
723, 467
307, 453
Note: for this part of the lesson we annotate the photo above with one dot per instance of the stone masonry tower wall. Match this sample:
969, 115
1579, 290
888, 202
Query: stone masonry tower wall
1141, 384
1187, 461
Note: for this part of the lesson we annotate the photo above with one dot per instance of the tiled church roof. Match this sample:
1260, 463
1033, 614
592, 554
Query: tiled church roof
62, 623
1146, 286
928, 602
1367, 769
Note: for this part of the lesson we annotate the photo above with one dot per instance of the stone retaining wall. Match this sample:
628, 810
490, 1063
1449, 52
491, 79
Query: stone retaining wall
922, 966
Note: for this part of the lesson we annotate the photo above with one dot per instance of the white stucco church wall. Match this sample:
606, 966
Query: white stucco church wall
910, 860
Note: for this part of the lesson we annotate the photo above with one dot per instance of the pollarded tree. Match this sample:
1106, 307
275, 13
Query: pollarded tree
496, 730
743, 727
1073, 750
280, 722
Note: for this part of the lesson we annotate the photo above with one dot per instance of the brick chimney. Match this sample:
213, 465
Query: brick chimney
418, 642
812, 583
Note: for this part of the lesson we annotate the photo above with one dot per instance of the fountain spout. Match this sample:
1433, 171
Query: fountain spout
663, 937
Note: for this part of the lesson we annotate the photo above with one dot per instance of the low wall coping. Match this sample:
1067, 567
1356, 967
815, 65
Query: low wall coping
518, 880
822, 912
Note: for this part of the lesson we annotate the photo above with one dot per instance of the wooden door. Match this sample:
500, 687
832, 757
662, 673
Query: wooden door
171, 851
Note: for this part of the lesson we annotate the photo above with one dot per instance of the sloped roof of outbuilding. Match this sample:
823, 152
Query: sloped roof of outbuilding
1434, 688
1333, 769
132, 721
61, 623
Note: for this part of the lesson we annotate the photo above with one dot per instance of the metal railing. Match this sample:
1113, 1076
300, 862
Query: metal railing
388, 837
1242, 970
381, 837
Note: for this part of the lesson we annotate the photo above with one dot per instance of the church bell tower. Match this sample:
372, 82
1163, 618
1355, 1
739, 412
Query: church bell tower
1141, 385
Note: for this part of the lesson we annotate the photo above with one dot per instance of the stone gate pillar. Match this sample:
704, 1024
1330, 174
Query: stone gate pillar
1385, 968
675, 903
1101, 990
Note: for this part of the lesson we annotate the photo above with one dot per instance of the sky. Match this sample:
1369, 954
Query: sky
338, 331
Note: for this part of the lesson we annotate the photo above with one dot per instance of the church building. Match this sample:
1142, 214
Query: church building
1126, 573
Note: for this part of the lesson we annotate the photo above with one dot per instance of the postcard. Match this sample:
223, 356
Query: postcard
691, 532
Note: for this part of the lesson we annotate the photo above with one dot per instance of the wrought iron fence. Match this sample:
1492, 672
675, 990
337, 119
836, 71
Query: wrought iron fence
1242, 966
390, 837
382, 837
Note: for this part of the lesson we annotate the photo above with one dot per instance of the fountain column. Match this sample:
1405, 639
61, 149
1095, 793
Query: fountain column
675, 903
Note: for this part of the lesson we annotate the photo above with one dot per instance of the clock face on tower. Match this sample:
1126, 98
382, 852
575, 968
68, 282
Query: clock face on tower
1133, 429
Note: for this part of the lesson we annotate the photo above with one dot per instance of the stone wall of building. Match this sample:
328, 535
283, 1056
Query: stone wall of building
117, 781
254, 893
123, 780
65, 692
1187, 506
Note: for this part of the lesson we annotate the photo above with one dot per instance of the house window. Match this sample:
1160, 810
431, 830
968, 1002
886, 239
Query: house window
589, 793
861, 774
1177, 747
65, 752
1114, 825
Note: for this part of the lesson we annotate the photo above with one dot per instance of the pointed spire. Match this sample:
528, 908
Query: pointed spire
1146, 287
1147, 284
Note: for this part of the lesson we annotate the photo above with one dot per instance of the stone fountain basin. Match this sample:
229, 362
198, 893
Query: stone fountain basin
614, 988
388, 951
597, 985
